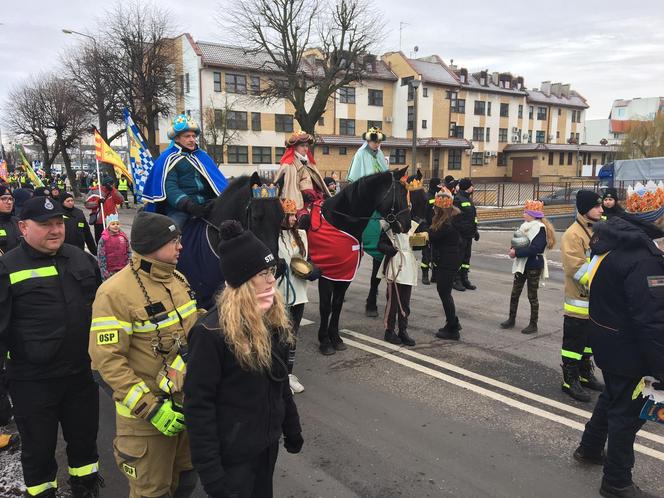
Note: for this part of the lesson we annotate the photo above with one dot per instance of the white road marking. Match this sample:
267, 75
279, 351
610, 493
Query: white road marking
483, 391
305, 322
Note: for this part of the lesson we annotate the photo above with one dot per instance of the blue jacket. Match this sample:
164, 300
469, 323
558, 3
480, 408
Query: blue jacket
184, 180
534, 251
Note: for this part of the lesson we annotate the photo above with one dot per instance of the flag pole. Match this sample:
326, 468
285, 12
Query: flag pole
101, 197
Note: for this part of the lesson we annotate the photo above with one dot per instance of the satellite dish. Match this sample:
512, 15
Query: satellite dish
416, 48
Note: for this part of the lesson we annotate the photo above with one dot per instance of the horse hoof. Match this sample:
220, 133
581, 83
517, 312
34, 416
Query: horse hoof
371, 313
327, 349
340, 346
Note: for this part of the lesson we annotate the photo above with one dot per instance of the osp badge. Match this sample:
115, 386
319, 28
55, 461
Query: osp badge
48, 204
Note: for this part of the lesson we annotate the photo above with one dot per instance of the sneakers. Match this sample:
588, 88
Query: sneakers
582, 456
631, 491
295, 384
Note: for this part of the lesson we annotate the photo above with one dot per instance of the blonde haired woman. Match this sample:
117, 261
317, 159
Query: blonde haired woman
237, 399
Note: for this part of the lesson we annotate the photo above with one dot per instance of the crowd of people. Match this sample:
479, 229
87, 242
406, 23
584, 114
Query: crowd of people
208, 394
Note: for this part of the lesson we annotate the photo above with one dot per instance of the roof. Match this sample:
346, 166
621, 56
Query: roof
433, 72
474, 84
232, 56
621, 126
452, 143
559, 148
574, 99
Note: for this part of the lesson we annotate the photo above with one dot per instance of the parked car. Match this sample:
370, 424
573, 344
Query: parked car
560, 196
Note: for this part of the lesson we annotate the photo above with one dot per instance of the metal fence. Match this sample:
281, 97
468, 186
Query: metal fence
516, 194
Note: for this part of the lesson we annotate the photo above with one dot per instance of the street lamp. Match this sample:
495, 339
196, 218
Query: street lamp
415, 84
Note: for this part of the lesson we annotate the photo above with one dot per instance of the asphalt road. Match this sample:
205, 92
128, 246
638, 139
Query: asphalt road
480, 417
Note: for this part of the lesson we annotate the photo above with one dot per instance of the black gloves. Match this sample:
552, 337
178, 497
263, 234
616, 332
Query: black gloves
477, 236
304, 222
307, 197
218, 489
293, 443
282, 268
390, 251
192, 208
315, 274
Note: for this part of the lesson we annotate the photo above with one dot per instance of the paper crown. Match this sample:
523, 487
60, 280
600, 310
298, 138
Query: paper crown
289, 206
183, 122
374, 135
264, 191
648, 198
413, 184
111, 218
443, 199
532, 205
299, 137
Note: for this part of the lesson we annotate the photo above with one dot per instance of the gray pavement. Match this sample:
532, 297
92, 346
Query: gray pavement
481, 417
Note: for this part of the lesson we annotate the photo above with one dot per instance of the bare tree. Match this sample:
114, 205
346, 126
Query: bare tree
142, 36
644, 139
312, 48
218, 135
92, 70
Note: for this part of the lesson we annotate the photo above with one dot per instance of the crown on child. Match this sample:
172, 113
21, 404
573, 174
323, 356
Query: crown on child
289, 206
534, 205
414, 184
264, 191
645, 198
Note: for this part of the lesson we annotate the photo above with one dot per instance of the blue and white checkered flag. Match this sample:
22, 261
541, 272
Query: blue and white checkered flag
140, 158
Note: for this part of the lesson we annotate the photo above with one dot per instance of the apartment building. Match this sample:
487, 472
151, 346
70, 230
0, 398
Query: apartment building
624, 113
483, 124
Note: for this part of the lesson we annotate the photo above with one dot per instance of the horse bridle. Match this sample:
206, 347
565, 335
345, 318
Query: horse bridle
391, 217
247, 211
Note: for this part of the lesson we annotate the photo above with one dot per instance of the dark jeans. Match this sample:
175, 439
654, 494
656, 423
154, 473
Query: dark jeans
372, 299
99, 228
398, 299
616, 417
444, 280
251, 479
533, 279
39, 407
296, 313
575, 340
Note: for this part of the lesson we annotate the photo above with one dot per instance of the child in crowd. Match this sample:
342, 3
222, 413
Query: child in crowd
113, 251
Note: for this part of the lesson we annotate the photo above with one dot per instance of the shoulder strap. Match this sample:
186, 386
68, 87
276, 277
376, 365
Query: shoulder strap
583, 228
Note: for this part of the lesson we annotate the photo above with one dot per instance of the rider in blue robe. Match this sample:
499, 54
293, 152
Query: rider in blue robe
184, 179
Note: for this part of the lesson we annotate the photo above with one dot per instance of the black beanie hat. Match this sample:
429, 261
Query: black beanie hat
66, 195
586, 200
150, 231
434, 184
465, 183
241, 254
610, 193
4, 190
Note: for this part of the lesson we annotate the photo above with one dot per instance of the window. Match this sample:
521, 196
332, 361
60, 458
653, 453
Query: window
488, 108
425, 92
520, 115
454, 159
261, 155
502, 134
255, 82
561, 159
278, 152
550, 158
238, 154
502, 159
217, 152
480, 108
424, 124
570, 157
281, 86
411, 91
398, 156
409, 118
218, 118
256, 121
541, 113
478, 134
181, 81
347, 95
560, 111
283, 122
539, 137
530, 112
558, 134
375, 124
376, 97
236, 120
573, 116
236, 83
186, 83
343, 151
576, 137
459, 106
578, 116
321, 121
459, 132
216, 76
530, 136
488, 134
326, 150
477, 159
504, 110
346, 127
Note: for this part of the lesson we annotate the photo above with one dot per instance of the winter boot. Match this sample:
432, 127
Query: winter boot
450, 331
49, 493
457, 285
371, 309
631, 491
571, 384
425, 277
587, 375
531, 328
406, 340
465, 282
509, 323
86, 486
583, 456
392, 338
434, 278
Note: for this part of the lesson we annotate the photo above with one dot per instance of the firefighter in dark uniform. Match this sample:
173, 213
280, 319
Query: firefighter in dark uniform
77, 230
626, 329
466, 224
46, 293
427, 263
123, 188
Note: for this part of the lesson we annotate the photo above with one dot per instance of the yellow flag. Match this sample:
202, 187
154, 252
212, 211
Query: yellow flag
25, 164
105, 154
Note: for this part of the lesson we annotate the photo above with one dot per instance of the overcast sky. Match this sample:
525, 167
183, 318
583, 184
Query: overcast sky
606, 50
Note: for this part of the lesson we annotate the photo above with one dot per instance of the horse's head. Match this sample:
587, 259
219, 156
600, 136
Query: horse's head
419, 204
264, 217
393, 204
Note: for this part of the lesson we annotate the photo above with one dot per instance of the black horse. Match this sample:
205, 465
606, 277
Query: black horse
200, 260
350, 211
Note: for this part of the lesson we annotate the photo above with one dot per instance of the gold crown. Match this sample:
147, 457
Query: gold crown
289, 206
644, 199
443, 199
264, 191
534, 205
414, 184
